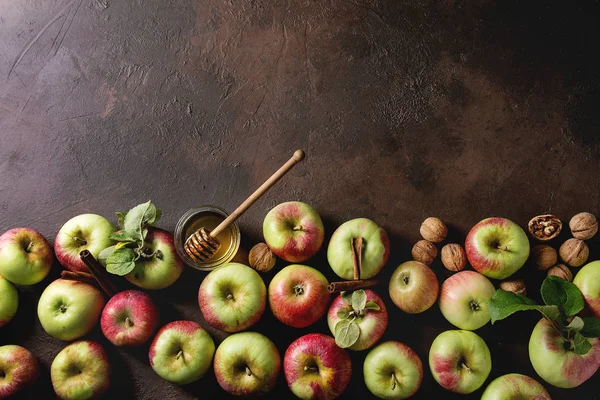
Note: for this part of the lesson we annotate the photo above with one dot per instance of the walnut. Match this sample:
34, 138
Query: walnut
424, 251
516, 286
583, 226
544, 227
454, 257
562, 271
434, 230
574, 252
544, 256
261, 258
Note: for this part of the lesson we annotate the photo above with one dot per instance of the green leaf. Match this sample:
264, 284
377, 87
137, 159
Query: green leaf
121, 262
591, 327
347, 297
503, 303
563, 294
347, 333
122, 244
371, 305
581, 345
344, 313
138, 217
359, 300
104, 254
575, 325
124, 236
120, 218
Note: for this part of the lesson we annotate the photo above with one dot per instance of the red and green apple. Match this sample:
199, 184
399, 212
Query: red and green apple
18, 369
9, 301
25, 256
515, 387
588, 282
413, 287
129, 318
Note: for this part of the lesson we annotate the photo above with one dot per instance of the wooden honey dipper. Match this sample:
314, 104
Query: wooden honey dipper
203, 244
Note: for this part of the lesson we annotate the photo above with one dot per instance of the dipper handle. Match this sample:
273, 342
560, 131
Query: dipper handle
295, 159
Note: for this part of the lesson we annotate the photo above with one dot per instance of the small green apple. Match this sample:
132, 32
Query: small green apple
25, 256
9, 301
393, 371
515, 387
588, 281
69, 309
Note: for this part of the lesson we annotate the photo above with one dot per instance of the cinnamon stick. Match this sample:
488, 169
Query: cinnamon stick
356, 244
98, 271
79, 276
336, 287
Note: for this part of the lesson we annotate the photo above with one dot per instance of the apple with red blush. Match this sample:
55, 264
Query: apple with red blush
25, 256
588, 282
18, 369
316, 368
298, 295
294, 231
514, 387
129, 318
413, 287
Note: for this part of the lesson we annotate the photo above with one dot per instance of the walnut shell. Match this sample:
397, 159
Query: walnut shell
454, 257
544, 227
562, 271
583, 226
424, 251
544, 256
261, 258
516, 286
574, 252
434, 230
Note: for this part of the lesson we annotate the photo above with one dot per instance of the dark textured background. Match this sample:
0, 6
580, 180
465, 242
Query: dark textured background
406, 109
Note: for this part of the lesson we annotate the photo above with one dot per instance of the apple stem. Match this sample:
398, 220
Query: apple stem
80, 240
465, 367
312, 369
503, 248
129, 322
298, 290
394, 381
248, 371
298, 228
29, 247
229, 296
178, 356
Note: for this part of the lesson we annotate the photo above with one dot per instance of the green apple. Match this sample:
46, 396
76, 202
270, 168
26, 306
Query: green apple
555, 362
375, 252
25, 256
413, 287
80, 371
83, 232
497, 247
392, 370
515, 387
464, 300
232, 298
69, 309
293, 231
181, 352
247, 364
9, 301
588, 281
163, 268
460, 361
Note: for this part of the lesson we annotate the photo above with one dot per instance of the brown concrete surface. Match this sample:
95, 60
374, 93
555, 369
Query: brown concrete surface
406, 109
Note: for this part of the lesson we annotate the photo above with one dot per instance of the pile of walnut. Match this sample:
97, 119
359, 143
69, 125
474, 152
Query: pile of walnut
573, 252
433, 231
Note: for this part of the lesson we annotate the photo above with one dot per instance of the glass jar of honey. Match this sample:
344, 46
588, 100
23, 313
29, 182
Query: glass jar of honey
209, 217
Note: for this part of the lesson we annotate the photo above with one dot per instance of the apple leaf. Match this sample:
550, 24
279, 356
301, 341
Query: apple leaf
563, 294
121, 244
138, 217
104, 254
347, 297
359, 300
124, 236
576, 325
120, 218
121, 262
344, 313
347, 333
591, 327
581, 345
503, 303
371, 305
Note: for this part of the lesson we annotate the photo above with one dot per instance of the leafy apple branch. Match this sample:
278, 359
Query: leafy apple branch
347, 331
562, 302
131, 246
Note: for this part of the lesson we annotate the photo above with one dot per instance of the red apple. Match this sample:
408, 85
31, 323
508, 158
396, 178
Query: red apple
25, 256
372, 323
316, 368
18, 368
129, 318
298, 295
294, 231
